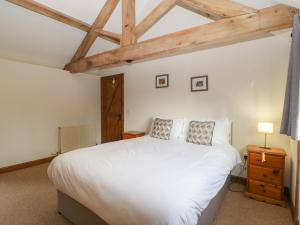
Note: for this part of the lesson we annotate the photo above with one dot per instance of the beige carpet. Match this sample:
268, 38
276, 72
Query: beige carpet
28, 198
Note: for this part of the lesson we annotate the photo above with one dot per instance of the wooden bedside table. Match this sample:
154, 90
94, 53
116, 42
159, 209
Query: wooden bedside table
132, 134
266, 174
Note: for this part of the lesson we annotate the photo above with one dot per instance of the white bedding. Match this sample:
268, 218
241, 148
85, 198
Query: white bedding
144, 180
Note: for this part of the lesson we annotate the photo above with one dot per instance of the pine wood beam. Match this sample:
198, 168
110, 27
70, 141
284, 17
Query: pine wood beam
56, 15
49, 12
218, 33
158, 12
99, 23
216, 9
108, 35
128, 22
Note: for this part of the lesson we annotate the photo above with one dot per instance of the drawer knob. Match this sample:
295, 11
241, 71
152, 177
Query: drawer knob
263, 157
275, 172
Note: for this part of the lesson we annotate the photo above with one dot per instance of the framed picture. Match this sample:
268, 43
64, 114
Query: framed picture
199, 83
162, 81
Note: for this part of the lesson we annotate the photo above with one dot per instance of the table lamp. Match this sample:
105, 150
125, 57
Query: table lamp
266, 128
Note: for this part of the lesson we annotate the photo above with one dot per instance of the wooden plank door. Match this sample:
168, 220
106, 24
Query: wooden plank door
112, 108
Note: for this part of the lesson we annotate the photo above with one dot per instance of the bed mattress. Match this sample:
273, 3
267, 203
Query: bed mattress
144, 180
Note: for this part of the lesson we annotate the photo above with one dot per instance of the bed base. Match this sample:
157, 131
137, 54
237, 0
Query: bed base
80, 215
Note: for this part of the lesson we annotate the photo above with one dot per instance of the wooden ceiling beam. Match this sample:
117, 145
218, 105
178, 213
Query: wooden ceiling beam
109, 36
219, 33
216, 9
158, 12
128, 22
99, 23
49, 12
56, 15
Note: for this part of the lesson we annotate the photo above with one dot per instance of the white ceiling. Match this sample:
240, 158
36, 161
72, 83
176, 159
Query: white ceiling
33, 38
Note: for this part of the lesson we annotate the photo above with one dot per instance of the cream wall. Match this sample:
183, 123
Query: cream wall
246, 84
34, 101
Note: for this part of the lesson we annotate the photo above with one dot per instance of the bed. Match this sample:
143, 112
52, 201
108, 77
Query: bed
143, 181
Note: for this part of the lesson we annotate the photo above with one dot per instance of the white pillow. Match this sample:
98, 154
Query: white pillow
177, 128
221, 134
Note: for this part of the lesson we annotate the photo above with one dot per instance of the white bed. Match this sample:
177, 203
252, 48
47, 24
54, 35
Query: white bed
144, 180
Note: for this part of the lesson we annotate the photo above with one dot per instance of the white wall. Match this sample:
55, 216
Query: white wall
246, 84
34, 101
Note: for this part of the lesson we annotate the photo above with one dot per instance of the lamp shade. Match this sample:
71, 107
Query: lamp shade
265, 127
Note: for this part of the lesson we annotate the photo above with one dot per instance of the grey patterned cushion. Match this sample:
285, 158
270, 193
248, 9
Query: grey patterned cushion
162, 129
201, 132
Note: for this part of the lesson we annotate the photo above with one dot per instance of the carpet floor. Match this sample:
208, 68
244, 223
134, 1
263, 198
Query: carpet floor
28, 198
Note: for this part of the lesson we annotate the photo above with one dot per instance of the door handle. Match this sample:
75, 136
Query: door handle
119, 115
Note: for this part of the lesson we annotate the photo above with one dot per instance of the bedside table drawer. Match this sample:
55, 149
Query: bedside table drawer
271, 160
265, 174
268, 190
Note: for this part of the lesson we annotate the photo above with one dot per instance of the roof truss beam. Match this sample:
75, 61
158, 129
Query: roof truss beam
154, 16
52, 13
99, 23
216, 9
213, 9
128, 22
108, 35
61, 17
219, 33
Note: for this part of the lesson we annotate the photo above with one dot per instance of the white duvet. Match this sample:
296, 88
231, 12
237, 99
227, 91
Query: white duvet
144, 181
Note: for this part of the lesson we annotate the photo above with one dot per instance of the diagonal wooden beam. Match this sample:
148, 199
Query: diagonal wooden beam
216, 9
99, 23
158, 12
49, 12
108, 35
128, 22
56, 15
219, 33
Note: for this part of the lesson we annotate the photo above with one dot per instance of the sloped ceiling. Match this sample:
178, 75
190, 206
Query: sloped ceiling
29, 37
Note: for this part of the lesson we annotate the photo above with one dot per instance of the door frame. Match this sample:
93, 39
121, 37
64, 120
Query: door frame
296, 207
102, 96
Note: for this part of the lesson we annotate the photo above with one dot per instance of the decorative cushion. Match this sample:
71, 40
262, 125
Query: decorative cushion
201, 132
222, 130
162, 129
177, 127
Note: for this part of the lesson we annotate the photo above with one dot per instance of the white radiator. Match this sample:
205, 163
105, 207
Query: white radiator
74, 137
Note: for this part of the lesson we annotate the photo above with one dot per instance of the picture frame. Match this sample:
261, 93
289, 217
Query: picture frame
162, 81
199, 83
